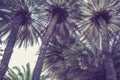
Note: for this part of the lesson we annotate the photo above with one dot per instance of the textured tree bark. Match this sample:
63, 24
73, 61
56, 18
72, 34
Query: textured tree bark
109, 69
45, 41
8, 51
107, 61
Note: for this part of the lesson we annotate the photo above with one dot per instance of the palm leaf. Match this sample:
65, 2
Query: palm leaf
22, 73
73, 60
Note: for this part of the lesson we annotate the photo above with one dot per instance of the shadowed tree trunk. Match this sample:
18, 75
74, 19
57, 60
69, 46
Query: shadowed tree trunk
107, 61
45, 41
109, 68
8, 50
18, 15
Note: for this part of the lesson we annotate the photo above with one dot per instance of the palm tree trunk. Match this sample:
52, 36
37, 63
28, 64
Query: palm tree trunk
109, 68
45, 41
8, 51
107, 61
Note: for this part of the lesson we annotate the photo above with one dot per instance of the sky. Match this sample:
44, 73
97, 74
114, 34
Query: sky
22, 56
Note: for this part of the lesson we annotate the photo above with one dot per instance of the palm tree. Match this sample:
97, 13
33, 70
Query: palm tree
115, 51
19, 22
100, 21
24, 73
72, 61
61, 19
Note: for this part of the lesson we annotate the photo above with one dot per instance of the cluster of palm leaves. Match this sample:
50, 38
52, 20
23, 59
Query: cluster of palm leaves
80, 38
73, 61
24, 73
79, 60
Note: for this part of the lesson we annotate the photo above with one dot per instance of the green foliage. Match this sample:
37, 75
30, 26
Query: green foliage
67, 58
92, 11
19, 74
24, 73
26, 14
73, 60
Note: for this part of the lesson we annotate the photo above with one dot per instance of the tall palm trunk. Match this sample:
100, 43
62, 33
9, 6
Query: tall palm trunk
45, 41
8, 51
107, 61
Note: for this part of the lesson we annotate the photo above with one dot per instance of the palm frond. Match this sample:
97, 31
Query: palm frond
71, 61
27, 13
64, 9
94, 10
22, 73
17, 73
1, 53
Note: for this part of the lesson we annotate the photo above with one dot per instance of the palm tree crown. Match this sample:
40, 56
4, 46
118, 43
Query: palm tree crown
93, 11
60, 16
64, 9
28, 14
73, 61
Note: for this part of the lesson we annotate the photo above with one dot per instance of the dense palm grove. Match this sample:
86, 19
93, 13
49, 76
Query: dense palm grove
80, 38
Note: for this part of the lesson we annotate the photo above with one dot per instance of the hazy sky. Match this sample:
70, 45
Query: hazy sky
22, 56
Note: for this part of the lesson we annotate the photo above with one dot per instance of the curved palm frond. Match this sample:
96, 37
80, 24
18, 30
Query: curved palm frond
60, 13
29, 15
100, 21
1, 53
19, 74
73, 61
23, 26
22, 73
64, 9
93, 11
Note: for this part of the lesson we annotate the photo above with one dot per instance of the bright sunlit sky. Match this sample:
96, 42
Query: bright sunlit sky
22, 56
